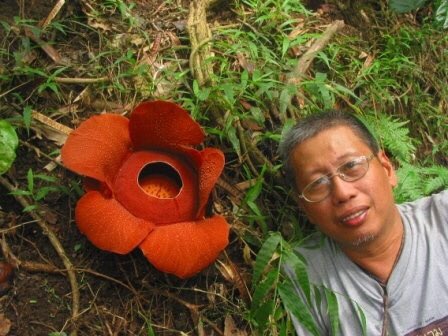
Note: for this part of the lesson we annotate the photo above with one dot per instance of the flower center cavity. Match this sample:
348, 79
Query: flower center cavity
160, 180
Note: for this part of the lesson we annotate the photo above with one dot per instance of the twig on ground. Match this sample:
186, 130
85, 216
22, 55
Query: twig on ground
57, 7
58, 248
304, 62
78, 80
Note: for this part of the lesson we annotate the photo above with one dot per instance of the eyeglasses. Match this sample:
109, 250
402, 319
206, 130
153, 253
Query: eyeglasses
350, 171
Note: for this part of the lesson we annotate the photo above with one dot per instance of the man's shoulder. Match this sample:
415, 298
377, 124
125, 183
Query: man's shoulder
438, 200
427, 217
432, 208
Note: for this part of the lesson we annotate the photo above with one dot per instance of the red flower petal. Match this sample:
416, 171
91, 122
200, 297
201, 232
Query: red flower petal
185, 249
108, 225
144, 204
161, 124
98, 147
209, 164
209, 171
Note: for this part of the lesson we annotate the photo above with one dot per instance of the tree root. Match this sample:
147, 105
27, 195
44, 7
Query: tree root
200, 36
29, 266
59, 249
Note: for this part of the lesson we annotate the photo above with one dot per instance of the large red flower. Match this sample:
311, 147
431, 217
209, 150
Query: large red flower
148, 187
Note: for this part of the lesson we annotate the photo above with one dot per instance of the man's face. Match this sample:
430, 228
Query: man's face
355, 213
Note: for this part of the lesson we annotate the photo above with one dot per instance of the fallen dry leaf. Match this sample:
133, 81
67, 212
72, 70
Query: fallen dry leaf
245, 63
230, 328
5, 325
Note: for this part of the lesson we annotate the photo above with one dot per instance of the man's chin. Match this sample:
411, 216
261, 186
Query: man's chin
360, 241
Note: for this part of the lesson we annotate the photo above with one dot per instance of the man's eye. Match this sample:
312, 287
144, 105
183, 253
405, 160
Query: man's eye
351, 164
320, 182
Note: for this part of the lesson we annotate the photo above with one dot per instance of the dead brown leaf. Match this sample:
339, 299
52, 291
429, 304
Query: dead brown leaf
245, 63
5, 325
230, 328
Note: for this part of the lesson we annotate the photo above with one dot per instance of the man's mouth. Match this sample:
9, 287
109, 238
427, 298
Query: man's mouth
355, 219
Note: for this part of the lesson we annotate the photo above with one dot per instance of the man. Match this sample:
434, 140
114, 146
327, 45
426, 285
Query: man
388, 261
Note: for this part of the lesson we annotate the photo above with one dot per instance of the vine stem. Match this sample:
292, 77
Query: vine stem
59, 249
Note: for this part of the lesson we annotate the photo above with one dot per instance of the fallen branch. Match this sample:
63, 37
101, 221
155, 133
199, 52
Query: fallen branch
77, 80
302, 66
58, 248
57, 7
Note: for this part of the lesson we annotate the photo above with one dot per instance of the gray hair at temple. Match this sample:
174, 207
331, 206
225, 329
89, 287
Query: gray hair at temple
312, 125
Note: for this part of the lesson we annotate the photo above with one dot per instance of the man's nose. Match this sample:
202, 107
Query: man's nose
341, 191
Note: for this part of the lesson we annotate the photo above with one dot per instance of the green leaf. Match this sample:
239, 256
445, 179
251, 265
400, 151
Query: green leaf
264, 256
229, 93
404, 6
333, 310
256, 189
30, 179
299, 267
26, 116
261, 316
285, 45
262, 289
43, 192
5, 26
297, 308
285, 99
30, 208
8, 145
442, 14
362, 319
20, 192
150, 330
233, 138
46, 178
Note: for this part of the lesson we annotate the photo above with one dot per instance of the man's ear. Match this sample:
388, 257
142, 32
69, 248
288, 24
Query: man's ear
388, 168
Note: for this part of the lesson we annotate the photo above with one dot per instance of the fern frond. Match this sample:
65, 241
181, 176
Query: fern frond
416, 181
410, 186
437, 178
393, 135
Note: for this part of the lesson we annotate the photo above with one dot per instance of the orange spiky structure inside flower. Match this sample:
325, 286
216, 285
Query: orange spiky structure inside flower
160, 186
